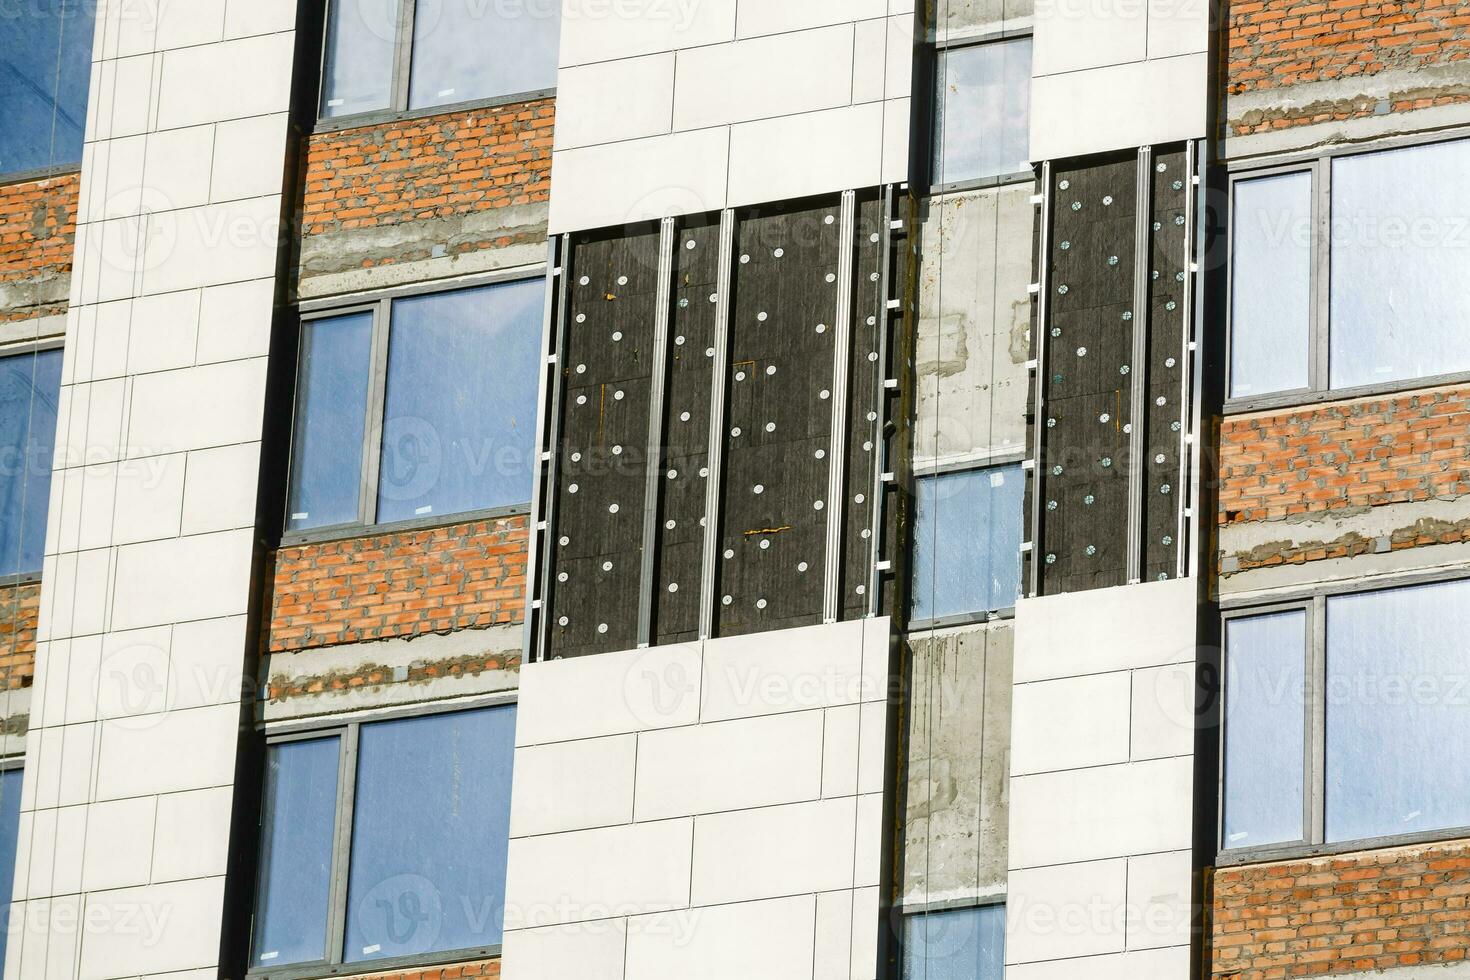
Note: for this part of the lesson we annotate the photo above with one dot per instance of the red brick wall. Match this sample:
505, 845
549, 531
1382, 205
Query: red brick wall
1279, 43
20, 609
38, 223
483, 968
433, 167
401, 584
1362, 453
1346, 914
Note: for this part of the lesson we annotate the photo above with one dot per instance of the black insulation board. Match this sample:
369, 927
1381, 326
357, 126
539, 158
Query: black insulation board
778, 421
606, 371
1087, 388
684, 469
863, 393
1164, 423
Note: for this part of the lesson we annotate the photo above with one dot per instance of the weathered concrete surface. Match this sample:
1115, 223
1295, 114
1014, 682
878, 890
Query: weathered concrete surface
974, 322
359, 259
955, 19
958, 764
385, 673
1311, 115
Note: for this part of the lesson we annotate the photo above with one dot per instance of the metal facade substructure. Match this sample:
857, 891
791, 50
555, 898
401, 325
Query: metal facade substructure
607, 386
868, 457
718, 401
1137, 405
1040, 315
1191, 394
653, 451
728, 372
684, 469
1161, 491
1111, 406
841, 368
544, 472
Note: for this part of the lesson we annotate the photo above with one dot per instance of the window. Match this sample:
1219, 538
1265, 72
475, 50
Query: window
982, 112
417, 407
967, 542
955, 944
407, 55
10, 781
45, 68
385, 840
1373, 302
30, 384
1339, 714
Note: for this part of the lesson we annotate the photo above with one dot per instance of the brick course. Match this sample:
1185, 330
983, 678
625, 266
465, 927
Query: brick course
481, 968
20, 612
432, 167
1346, 914
399, 584
1280, 43
38, 224
1363, 453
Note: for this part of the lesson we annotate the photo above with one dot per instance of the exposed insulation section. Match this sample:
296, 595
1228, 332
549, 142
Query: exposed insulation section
779, 420
685, 465
1087, 387
865, 375
605, 375
767, 402
1165, 420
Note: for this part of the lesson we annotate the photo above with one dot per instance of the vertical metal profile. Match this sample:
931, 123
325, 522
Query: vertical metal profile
1038, 395
1139, 403
837, 452
654, 458
724, 298
403, 55
880, 427
1319, 369
377, 396
1188, 415
548, 435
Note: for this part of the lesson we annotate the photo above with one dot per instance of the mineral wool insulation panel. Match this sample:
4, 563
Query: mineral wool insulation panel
1088, 383
791, 312
1090, 533
606, 373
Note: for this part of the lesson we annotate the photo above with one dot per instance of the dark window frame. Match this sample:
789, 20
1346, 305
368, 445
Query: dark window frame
1313, 600
398, 83
37, 346
1319, 166
348, 731
1010, 459
940, 48
380, 304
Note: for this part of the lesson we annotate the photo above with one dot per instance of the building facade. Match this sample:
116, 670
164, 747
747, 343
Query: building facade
827, 490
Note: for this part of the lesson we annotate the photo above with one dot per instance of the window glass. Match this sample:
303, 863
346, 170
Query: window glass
469, 49
29, 387
357, 66
300, 812
1265, 735
982, 111
1400, 258
331, 412
10, 780
956, 944
1270, 285
460, 412
430, 831
1397, 669
967, 542
45, 66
